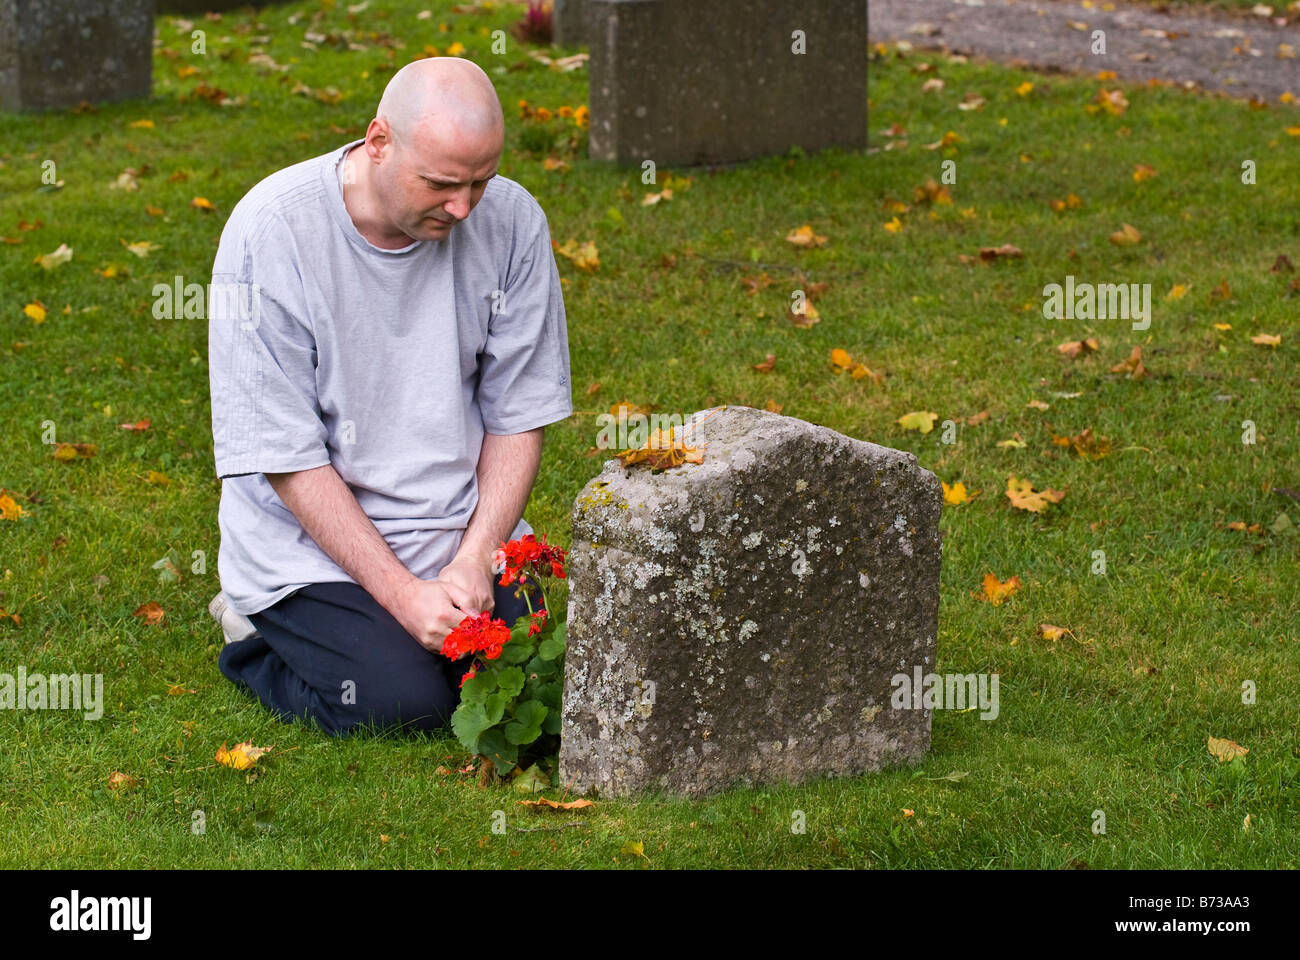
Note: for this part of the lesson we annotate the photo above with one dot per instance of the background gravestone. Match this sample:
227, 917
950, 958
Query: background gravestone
56, 53
569, 22
740, 620
691, 82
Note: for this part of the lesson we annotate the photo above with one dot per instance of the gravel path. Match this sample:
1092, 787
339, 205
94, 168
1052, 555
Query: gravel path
1238, 55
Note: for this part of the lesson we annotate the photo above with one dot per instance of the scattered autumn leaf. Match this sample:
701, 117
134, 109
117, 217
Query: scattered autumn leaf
67, 452
1132, 365
117, 780
1071, 202
931, 192
542, 802
1126, 236
1177, 292
1049, 632
956, 495
242, 756
997, 591
974, 420
922, 420
804, 237
1086, 444
9, 507
584, 256
1076, 348
949, 139
139, 425
1109, 101
150, 613
768, 365
625, 409
202, 203
1225, 750
1267, 339
989, 254
663, 450
804, 317
1023, 496
61, 255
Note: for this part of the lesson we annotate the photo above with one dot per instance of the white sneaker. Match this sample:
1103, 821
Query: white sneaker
234, 625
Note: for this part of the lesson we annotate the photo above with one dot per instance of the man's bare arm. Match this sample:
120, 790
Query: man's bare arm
507, 468
332, 517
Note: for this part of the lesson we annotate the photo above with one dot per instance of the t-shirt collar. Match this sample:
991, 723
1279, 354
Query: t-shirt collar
339, 211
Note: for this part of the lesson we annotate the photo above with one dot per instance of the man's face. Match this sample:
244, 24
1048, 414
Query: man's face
430, 184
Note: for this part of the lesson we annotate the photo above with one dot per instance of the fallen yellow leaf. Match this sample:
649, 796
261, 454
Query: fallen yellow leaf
804, 237
922, 420
241, 756
1023, 496
1225, 750
997, 591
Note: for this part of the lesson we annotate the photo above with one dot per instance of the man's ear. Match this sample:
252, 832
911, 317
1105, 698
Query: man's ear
379, 139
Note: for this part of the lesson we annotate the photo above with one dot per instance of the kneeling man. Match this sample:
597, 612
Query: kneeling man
383, 363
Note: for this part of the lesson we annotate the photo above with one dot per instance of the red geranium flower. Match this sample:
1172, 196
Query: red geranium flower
527, 555
477, 634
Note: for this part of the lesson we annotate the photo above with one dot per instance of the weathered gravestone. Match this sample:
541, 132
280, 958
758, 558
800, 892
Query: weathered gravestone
740, 620
569, 22
56, 53
718, 81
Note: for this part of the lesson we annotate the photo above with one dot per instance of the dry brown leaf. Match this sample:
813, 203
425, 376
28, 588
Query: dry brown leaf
557, 805
1126, 236
117, 780
1076, 348
1132, 366
151, 613
989, 254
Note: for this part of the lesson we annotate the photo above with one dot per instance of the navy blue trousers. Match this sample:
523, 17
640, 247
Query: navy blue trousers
330, 653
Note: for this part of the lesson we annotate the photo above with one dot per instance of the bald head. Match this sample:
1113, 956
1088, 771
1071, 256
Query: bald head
430, 151
440, 97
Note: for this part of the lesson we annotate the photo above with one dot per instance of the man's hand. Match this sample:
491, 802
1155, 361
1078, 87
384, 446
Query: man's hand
425, 610
469, 584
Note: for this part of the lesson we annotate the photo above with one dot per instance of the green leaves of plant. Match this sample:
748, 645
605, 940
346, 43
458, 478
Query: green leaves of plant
552, 648
477, 688
527, 724
492, 744
511, 681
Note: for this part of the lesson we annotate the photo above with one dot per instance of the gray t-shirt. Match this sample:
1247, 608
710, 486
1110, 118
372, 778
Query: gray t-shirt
388, 364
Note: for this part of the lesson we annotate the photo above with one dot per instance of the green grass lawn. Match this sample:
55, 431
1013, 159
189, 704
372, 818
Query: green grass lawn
1113, 718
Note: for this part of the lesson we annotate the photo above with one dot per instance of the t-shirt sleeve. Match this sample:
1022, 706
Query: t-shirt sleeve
524, 367
262, 364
